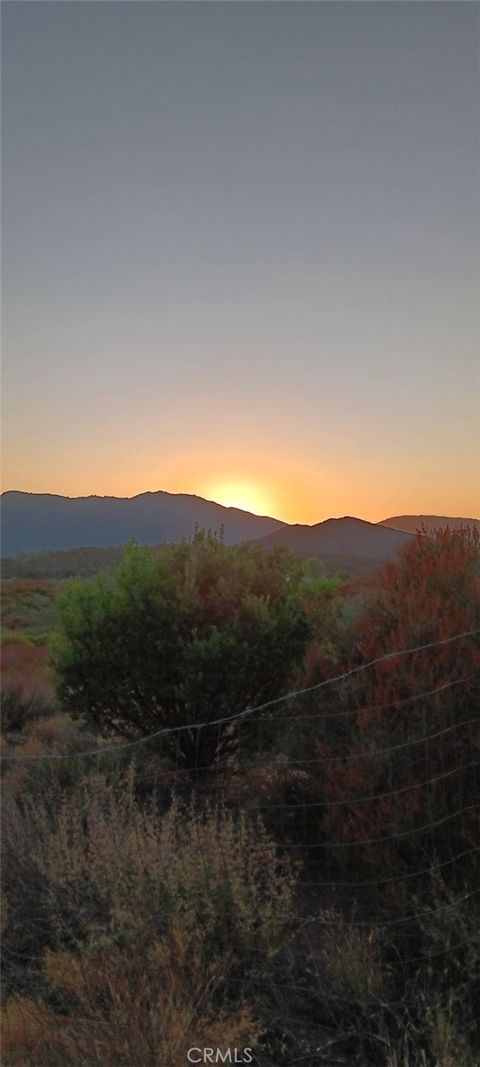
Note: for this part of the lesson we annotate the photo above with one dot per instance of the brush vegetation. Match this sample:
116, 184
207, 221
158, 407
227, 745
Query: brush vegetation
301, 880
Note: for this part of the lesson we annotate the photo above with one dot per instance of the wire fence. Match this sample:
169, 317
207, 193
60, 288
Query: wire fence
420, 814
251, 711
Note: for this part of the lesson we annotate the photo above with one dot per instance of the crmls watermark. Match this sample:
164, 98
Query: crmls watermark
215, 1055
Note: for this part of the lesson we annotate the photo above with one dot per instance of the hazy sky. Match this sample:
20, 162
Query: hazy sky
241, 253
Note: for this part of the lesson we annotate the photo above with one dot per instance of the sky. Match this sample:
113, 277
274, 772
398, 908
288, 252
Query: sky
241, 253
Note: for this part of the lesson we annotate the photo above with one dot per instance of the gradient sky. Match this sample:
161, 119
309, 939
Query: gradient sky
241, 253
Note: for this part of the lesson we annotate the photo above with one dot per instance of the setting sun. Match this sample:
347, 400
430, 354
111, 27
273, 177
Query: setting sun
242, 495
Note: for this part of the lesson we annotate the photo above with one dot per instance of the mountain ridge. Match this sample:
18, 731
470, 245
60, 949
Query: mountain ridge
410, 523
344, 538
42, 522
36, 522
136, 496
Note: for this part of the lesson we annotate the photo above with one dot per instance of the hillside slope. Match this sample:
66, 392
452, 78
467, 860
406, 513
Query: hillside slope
411, 523
34, 522
343, 538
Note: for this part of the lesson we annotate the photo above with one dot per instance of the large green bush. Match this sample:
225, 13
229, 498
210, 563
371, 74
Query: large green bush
188, 635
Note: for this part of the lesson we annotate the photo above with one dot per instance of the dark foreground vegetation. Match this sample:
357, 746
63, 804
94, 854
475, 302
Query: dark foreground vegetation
301, 880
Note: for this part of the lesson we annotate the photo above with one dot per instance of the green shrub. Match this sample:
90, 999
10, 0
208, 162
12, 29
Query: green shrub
192, 634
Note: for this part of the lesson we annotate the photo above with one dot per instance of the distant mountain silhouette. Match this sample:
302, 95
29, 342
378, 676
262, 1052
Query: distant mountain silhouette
411, 523
343, 539
36, 522
42, 522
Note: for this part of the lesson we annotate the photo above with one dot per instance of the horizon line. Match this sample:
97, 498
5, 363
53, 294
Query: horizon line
244, 511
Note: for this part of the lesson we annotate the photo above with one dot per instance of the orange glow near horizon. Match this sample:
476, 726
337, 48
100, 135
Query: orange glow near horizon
293, 490
254, 483
244, 495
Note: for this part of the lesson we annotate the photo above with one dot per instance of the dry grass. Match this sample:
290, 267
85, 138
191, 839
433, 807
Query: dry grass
347, 960
27, 687
140, 1007
141, 922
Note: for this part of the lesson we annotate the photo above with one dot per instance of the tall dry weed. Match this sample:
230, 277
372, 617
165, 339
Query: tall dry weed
143, 926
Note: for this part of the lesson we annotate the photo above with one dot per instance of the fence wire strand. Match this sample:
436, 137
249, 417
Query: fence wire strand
172, 776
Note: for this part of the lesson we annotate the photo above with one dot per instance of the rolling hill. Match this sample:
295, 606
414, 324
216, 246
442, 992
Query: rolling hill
343, 540
411, 523
39, 522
